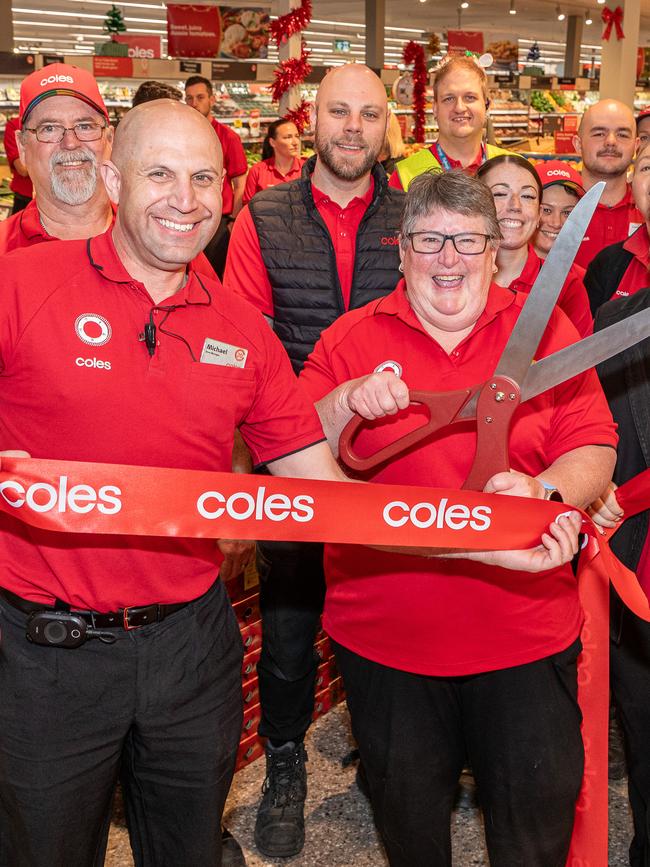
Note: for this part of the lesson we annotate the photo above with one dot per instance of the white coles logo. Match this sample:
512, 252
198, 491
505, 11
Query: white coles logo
57, 79
241, 506
43, 497
93, 329
425, 515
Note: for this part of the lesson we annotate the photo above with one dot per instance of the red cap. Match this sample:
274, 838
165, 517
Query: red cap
59, 79
642, 114
558, 172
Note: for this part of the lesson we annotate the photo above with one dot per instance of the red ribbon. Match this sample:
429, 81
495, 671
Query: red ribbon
188, 503
613, 17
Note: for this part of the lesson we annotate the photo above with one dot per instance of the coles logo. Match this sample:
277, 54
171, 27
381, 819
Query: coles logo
93, 329
425, 515
395, 366
57, 79
389, 241
558, 173
43, 497
241, 506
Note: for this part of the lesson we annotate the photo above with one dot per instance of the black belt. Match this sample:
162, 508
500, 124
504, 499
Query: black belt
126, 618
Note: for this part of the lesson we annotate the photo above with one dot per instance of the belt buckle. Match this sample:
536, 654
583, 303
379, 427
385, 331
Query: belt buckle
125, 619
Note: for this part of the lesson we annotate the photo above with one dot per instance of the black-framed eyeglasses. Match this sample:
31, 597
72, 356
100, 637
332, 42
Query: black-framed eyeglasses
465, 243
52, 133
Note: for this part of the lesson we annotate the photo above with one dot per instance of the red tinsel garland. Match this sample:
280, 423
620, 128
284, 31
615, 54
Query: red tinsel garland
414, 54
290, 72
291, 23
299, 115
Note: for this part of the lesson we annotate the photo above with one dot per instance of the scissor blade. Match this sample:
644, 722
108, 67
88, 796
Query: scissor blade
520, 349
578, 357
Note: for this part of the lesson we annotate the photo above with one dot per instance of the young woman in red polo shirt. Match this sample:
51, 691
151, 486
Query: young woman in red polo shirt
281, 160
517, 192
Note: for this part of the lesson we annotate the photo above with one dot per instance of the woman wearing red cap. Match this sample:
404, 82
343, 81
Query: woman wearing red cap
517, 192
561, 190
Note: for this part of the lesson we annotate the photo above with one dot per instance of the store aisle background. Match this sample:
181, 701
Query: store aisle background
340, 832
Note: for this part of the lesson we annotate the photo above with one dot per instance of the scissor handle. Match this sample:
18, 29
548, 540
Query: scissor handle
443, 408
497, 401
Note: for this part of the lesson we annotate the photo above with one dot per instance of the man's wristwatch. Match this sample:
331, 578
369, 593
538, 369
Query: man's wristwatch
551, 492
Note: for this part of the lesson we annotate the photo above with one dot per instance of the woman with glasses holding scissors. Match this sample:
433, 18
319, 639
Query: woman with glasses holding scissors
445, 658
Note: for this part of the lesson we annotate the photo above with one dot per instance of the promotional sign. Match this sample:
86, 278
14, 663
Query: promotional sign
460, 41
211, 31
112, 67
141, 47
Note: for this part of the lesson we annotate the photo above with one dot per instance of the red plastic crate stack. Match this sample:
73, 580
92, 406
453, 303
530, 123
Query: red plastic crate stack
244, 595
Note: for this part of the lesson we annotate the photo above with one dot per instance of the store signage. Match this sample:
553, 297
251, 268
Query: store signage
545, 81
217, 31
342, 46
225, 71
567, 81
193, 67
53, 58
504, 78
112, 67
141, 47
460, 41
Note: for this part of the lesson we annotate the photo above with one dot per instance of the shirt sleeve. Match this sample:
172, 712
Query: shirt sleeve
245, 273
581, 416
11, 148
251, 183
575, 303
234, 157
394, 181
282, 419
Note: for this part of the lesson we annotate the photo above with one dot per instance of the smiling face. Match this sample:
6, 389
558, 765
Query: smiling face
516, 198
351, 115
557, 204
166, 177
460, 106
65, 172
607, 139
447, 290
286, 144
643, 131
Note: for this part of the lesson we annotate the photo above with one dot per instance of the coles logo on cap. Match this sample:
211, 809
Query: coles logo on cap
559, 173
60, 79
93, 329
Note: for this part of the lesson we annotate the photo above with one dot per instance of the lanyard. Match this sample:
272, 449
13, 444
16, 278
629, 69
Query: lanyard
443, 159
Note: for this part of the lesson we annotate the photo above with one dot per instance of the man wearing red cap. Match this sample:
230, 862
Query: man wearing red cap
65, 134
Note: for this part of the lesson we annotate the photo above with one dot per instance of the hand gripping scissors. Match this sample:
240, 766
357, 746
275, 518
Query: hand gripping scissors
493, 402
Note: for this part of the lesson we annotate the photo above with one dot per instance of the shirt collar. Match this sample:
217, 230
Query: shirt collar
397, 304
623, 203
104, 258
321, 198
639, 245
529, 272
30, 223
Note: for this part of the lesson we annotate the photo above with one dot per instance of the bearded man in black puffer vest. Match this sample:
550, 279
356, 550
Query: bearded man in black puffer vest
304, 253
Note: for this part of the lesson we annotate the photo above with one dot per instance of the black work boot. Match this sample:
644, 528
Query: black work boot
231, 852
280, 825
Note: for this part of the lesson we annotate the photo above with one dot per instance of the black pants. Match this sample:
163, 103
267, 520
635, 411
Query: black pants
630, 676
161, 708
292, 592
518, 727
20, 202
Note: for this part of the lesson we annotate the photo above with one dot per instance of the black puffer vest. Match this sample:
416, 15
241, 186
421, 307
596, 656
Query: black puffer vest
299, 257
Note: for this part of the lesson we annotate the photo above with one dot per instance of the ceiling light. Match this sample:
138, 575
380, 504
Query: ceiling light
560, 14
512, 9
464, 5
588, 18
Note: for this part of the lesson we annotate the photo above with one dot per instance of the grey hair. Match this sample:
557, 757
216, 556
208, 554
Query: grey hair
453, 191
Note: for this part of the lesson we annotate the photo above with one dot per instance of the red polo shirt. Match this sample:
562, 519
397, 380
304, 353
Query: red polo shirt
19, 184
452, 617
637, 273
62, 398
609, 225
234, 161
245, 272
266, 174
573, 297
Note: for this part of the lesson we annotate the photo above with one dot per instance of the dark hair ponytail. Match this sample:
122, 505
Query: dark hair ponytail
272, 133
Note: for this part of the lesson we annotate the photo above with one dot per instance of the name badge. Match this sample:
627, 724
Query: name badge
216, 352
